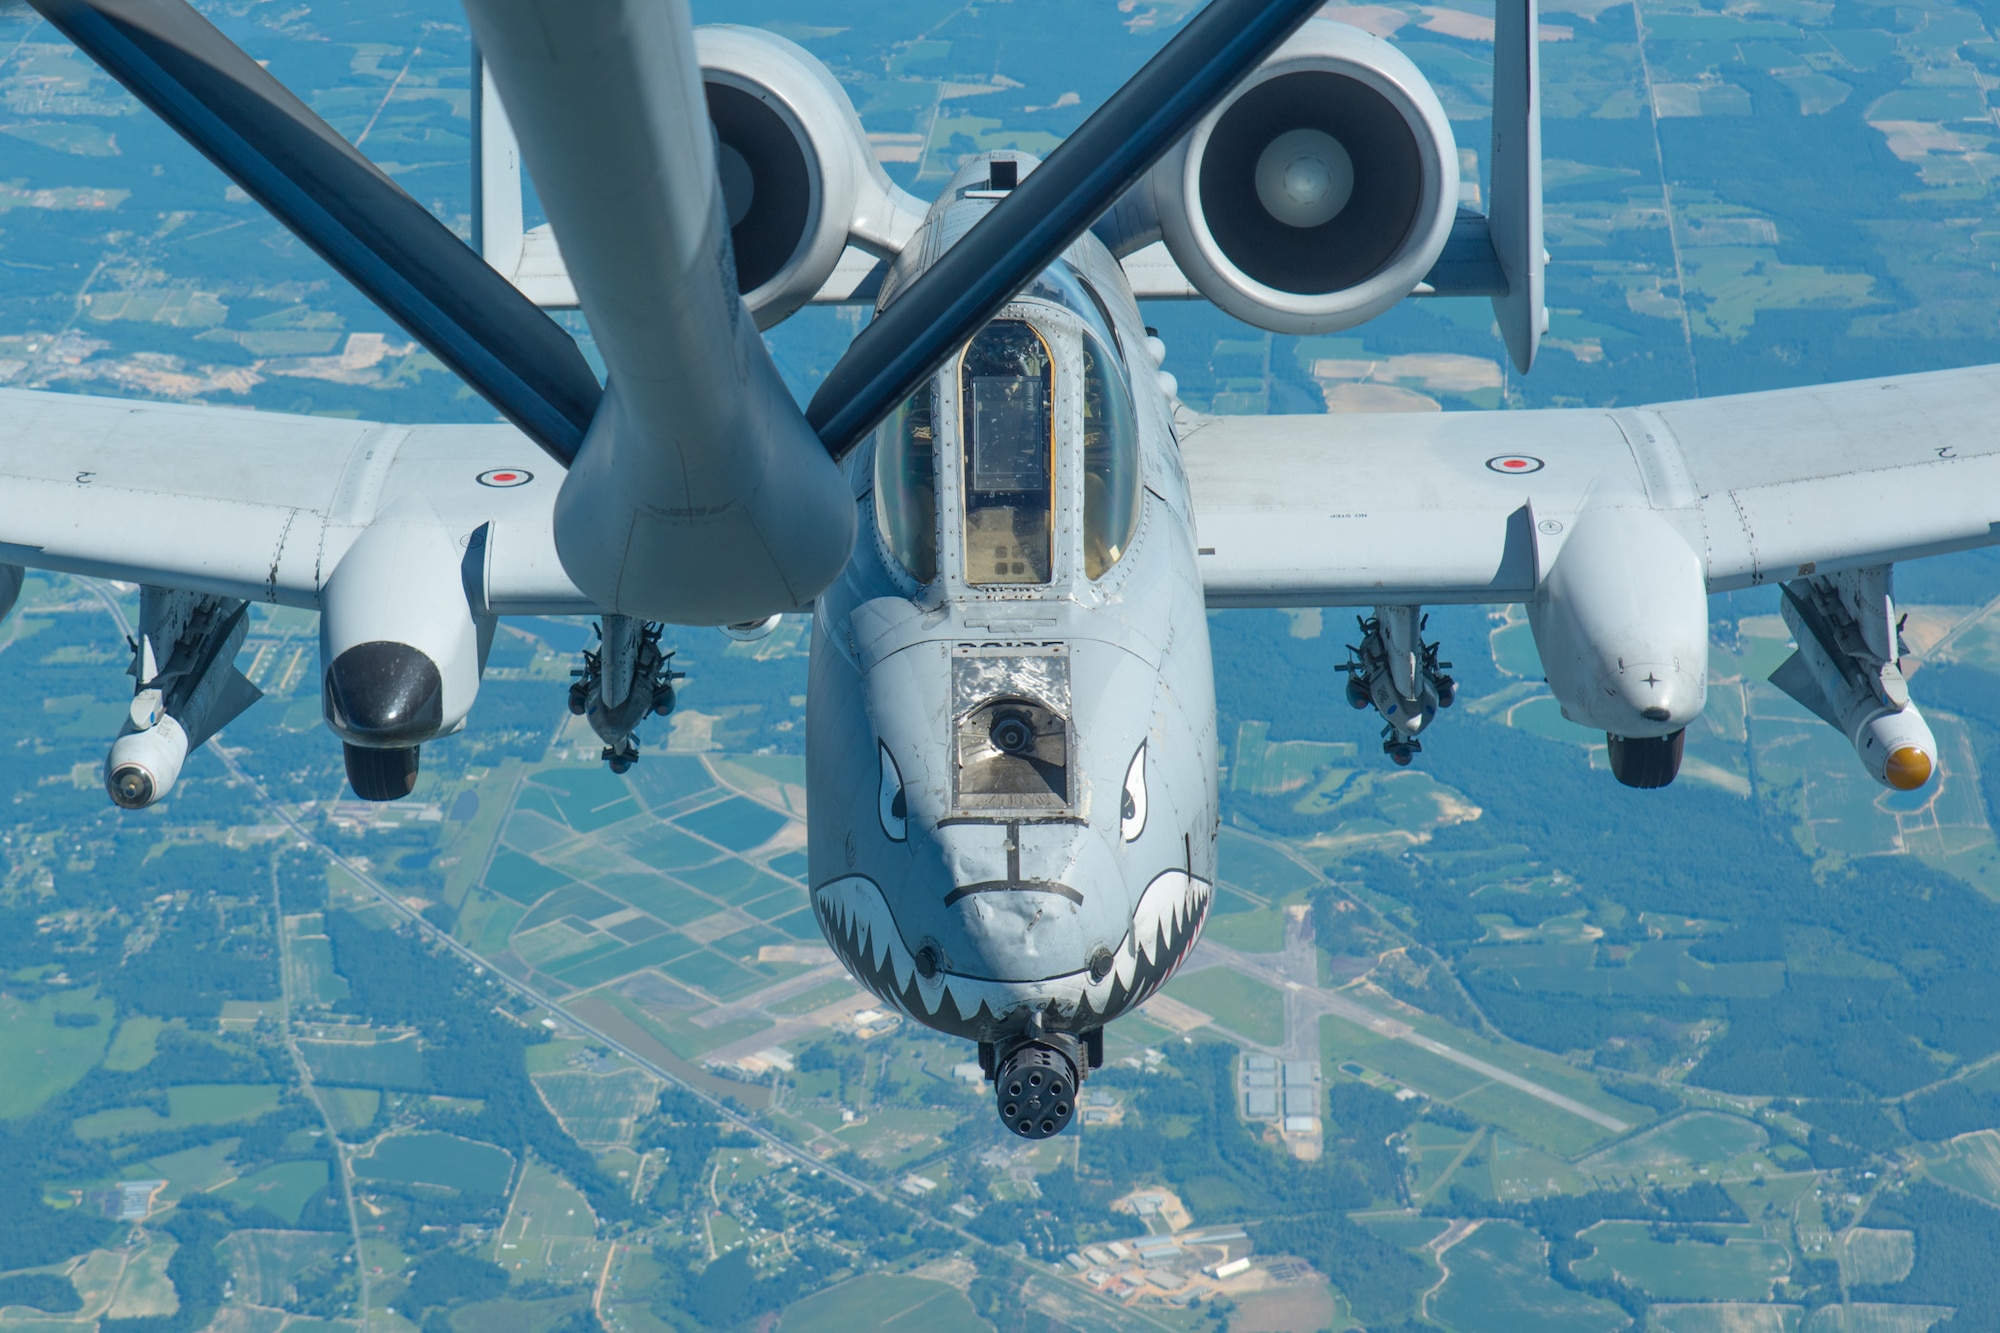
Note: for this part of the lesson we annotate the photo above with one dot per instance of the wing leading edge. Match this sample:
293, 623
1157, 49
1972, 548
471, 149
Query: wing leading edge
262, 507
1372, 509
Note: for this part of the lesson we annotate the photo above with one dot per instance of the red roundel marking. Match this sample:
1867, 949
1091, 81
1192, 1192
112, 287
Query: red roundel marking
1514, 464
505, 476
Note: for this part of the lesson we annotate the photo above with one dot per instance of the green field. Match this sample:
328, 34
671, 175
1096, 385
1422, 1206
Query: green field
515, 876
395, 1063
667, 899
736, 881
513, 1316
599, 1108
350, 1108
878, 1301
737, 823
1246, 1007
134, 1045
1869, 1255
548, 1234
264, 1263
1242, 925
1499, 1279
194, 1104
665, 847
1677, 1147
1743, 1269
283, 1189
43, 1059
1260, 868
588, 798
192, 1170
1972, 1165
428, 1158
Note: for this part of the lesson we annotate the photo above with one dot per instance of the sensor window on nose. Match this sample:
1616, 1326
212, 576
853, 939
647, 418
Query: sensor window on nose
1011, 731
1013, 754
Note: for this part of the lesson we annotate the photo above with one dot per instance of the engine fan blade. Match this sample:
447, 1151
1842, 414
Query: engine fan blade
338, 202
1046, 212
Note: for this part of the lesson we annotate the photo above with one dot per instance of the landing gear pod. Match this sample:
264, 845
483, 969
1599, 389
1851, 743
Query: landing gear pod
1646, 762
401, 647
381, 775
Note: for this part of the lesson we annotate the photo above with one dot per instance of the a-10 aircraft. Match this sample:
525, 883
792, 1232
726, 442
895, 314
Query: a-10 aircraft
1004, 523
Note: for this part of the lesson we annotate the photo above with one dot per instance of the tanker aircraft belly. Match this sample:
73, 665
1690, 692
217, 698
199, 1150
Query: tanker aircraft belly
1005, 525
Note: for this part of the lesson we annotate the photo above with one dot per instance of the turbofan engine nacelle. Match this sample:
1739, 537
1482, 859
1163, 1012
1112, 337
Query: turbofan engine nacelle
1621, 622
1321, 193
797, 176
400, 648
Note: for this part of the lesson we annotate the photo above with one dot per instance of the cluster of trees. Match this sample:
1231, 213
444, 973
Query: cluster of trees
1956, 1241
396, 978
1183, 1129
198, 1273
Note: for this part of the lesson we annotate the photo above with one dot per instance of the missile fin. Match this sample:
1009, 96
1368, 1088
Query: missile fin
235, 694
1795, 678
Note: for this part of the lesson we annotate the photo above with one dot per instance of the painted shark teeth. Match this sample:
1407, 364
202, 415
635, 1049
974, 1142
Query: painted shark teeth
857, 923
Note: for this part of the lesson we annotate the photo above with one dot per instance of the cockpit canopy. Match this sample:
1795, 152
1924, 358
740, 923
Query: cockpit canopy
1034, 409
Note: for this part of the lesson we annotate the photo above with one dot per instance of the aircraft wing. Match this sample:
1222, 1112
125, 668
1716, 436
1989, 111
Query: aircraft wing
1367, 509
261, 506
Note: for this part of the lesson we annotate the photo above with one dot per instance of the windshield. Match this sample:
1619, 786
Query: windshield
1007, 391
906, 484
1110, 462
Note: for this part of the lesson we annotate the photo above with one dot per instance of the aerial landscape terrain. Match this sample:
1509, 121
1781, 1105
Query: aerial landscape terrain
1489, 1043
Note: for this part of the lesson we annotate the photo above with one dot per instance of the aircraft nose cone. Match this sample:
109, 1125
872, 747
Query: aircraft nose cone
1033, 909
384, 694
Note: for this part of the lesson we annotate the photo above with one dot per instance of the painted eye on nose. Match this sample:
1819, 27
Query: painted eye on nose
890, 803
1132, 813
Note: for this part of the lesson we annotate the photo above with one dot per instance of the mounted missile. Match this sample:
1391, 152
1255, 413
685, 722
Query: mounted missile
627, 680
186, 688
1848, 672
1393, 671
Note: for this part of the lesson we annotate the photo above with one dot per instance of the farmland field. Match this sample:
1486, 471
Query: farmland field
445, 1160
1244, 1006
394, 1063
1700, 1136
892, 1304
265, 1262
737, 823
44, 1057
1499, 1279
283, 1189
599, 1108
1743, 1269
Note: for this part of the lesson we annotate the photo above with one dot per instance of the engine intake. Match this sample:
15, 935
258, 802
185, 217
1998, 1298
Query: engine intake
1321, 193
794, 160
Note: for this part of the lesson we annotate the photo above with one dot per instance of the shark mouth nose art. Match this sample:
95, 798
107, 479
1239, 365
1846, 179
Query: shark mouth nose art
858, 923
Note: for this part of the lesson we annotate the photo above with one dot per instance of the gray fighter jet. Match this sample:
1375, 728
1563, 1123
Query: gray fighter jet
1004, 523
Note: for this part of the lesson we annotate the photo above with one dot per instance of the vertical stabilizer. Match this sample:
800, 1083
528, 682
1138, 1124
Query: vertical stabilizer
1515, 205
497, 225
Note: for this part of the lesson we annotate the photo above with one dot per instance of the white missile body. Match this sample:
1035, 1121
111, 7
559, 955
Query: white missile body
181, 701
1838, 675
